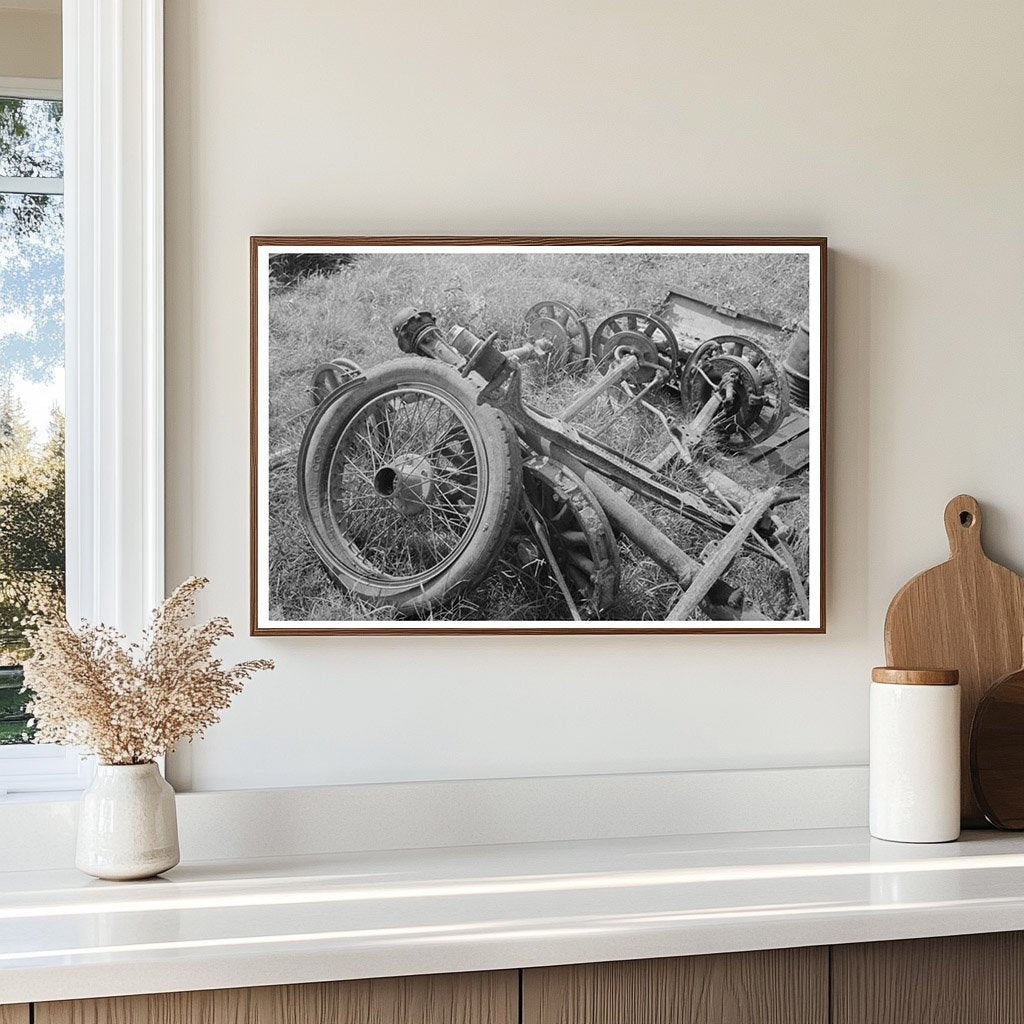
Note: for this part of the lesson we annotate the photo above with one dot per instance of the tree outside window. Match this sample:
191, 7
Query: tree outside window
32, 541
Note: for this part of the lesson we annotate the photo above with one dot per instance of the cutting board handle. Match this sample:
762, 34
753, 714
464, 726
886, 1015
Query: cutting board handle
963, 527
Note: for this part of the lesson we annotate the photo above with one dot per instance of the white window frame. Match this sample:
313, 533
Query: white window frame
114, 265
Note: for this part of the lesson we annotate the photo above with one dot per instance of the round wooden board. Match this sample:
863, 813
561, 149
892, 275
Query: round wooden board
997, 752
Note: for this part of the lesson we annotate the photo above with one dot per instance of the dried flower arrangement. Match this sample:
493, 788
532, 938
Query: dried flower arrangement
130, 703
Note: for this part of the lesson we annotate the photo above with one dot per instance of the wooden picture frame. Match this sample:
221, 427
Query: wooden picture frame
339, 435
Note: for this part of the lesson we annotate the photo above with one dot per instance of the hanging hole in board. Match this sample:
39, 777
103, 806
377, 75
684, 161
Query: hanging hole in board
966, 518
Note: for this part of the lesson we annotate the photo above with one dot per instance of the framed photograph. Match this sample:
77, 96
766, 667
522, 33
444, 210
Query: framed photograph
537, 435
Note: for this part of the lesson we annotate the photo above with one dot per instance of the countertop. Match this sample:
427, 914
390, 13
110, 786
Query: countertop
356, 915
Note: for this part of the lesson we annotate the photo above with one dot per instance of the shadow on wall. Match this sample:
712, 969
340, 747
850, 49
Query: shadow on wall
853, 287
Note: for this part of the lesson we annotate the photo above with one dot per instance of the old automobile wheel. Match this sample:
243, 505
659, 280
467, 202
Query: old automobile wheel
407, 487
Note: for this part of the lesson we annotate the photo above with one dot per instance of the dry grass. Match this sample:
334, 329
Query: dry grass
349, 313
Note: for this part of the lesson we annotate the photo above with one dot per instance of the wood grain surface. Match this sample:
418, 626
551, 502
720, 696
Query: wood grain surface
778, 986
997, 752
484, 998
915, 676
963, 979
14, 1014
967, 614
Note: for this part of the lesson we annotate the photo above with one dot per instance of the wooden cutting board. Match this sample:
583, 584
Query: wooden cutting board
997, 752
967, 614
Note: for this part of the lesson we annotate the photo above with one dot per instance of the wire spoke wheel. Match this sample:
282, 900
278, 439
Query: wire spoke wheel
637, 333
755, 390
581, 538
404, 484
407, 488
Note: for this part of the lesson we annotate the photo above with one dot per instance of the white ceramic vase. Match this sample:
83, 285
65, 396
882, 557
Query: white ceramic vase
127, 824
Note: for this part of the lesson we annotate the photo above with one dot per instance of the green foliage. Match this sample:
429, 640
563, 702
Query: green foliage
14, 726
30, 146
30, 137
31, 475
31, 541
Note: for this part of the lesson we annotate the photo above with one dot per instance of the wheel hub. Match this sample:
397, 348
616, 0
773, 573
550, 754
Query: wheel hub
645, 335
752, 387
408, 481
551, 330
633, 343
561, 325
740, 381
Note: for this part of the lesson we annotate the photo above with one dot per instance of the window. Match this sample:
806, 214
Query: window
32, 531
112, 213
31, 382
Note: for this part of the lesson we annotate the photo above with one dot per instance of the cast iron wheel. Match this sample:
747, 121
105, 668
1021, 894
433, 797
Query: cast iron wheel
563, 326
644, 332
407, 488
581, 538
759, 390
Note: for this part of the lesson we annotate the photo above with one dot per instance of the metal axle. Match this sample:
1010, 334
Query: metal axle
727, 600
622, 369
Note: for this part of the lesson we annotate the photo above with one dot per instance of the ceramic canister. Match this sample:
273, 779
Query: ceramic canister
915, 755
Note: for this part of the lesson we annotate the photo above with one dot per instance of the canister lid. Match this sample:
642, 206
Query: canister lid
916, 676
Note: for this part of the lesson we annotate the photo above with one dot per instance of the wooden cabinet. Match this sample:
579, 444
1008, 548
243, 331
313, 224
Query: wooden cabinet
962, 979
491, 998
778, 986
971, 979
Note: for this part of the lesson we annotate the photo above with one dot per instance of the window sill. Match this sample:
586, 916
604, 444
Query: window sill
41, 797
42, 771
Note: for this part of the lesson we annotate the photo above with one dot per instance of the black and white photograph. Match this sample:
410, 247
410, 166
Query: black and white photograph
537, 435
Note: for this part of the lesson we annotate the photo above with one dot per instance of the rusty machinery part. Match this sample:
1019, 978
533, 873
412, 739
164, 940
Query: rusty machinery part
753, 389
578, 531
562, 325
328, 377
502, 391
414, 329
482, 357
417, 333
796, 364
642, 334
651, 365
407, 487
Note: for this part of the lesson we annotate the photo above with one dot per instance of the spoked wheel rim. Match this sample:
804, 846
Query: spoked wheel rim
405, 487
578, 531
562, 325
631, 326
762, 393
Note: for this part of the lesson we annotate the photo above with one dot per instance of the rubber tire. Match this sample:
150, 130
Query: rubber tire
500, 449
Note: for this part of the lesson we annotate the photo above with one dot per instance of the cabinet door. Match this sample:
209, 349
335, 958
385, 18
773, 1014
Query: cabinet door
778, 986
14, 1014
490, 998
962, 979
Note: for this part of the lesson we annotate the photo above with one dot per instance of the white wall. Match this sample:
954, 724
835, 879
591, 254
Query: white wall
895, 129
